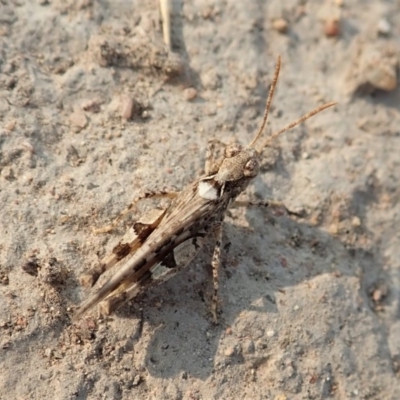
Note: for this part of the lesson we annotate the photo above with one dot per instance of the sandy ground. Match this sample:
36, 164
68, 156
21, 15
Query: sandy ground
95, 111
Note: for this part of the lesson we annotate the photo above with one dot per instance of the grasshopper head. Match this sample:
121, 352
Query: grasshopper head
238, 163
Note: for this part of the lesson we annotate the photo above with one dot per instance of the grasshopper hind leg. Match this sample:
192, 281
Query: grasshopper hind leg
216, 263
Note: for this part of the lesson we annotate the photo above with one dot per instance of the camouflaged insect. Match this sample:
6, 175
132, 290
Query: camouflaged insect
167, 240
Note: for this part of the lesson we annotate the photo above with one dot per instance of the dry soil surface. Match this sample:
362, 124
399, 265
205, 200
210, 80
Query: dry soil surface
95, 111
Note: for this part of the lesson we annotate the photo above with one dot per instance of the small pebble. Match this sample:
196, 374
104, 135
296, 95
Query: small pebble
383, 77
270, 333
384, 27
78, 119
333, 229
10, 125
207, 13
280, 25
332, 27
377, 296
28, 146
48, 352
5, 345
296, 307
211, 80
92, 105
127, 107
355, 222
145, 114
7, 173
136, 380
190, 93
230, 351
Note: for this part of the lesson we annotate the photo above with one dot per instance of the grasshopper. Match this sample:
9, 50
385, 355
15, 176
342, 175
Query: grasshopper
166, 240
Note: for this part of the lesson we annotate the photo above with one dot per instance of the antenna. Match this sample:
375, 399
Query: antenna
297, 122
268, 106
268, 103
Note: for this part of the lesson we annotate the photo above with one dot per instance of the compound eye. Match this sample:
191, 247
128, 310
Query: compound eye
233, 150
251, 168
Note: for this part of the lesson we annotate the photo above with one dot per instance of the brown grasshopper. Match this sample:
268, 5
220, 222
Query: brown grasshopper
167, 240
